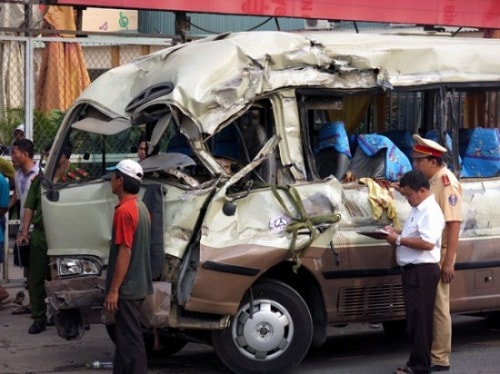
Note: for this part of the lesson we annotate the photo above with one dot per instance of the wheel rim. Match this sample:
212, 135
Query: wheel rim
264, 335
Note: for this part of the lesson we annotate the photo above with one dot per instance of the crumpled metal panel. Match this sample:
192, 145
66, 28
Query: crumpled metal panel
156, 307
411, 59
216, 77
76, 292
481, 216
181, 210
260, 220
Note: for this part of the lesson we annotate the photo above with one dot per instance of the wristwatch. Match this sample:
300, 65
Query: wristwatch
398, 240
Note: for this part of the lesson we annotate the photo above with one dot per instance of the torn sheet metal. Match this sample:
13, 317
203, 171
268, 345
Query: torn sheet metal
74, 293
263, 226
214, 78
156, 307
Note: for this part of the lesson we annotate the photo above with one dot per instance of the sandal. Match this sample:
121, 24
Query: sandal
21, 310
404, 370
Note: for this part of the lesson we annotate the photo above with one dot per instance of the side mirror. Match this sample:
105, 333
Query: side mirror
229, 208
52, 195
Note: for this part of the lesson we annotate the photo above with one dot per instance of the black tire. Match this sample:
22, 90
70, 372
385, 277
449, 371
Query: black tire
275, 339
168, 345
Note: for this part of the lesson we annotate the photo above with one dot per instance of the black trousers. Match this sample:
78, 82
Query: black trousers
130, 353
419, 291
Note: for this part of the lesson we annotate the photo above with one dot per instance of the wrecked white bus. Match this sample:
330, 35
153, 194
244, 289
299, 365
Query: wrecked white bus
265, 150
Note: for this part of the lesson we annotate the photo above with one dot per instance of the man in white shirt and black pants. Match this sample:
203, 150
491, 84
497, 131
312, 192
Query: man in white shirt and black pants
418, 249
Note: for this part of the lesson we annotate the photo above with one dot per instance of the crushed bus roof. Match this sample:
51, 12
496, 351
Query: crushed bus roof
215, 78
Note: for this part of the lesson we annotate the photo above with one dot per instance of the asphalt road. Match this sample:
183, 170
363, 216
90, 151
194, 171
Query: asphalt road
352, 349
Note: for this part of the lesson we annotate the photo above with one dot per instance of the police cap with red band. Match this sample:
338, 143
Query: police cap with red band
426, 147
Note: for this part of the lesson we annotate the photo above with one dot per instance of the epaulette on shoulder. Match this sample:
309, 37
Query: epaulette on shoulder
445, 180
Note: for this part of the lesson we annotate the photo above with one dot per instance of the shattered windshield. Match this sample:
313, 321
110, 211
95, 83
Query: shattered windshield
96, 145
94, 152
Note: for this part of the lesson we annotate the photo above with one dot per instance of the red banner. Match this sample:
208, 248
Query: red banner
467, 13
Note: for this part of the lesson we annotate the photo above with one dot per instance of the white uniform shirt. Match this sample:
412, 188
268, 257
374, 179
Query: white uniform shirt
426, 221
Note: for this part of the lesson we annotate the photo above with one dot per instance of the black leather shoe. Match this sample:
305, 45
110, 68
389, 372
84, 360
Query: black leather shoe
37, 327
440, 368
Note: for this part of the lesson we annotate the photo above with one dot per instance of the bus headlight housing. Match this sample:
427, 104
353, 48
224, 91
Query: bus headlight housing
78, 266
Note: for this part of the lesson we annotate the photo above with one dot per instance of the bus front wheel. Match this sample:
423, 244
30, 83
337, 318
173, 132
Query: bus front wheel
271, 332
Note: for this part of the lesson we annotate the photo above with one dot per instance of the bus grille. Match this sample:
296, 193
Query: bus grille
372, 301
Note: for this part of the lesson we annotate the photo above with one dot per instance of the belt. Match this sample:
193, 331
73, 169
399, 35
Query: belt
411, 266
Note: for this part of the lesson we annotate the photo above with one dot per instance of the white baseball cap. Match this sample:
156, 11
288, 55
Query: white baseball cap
19, 128
130, 168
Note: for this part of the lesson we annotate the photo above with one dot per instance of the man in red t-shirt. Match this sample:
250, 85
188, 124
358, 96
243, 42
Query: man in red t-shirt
128, 278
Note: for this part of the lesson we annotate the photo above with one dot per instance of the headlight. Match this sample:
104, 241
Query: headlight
70, 266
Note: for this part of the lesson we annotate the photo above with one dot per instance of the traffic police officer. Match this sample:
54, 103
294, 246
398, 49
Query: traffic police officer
428, 157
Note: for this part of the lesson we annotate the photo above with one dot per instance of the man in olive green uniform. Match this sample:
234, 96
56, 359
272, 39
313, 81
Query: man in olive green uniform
39, 270
38, 259
428, 158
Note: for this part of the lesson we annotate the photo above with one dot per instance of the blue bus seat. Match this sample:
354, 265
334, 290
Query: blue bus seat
482, 157
402, 139
378, 157
332, 151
